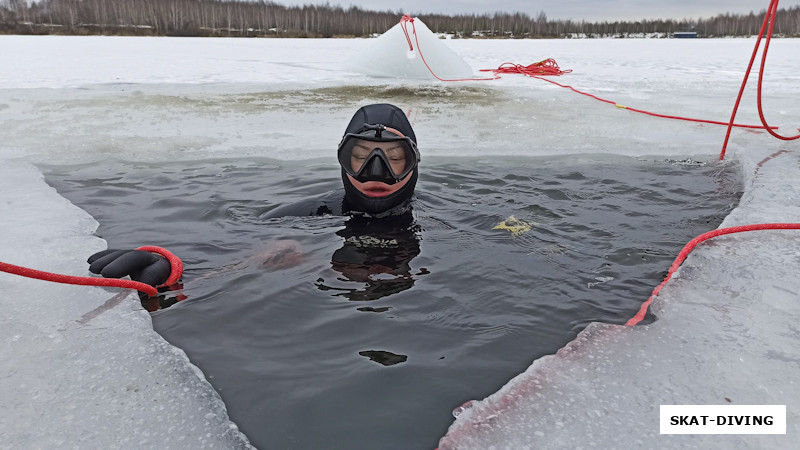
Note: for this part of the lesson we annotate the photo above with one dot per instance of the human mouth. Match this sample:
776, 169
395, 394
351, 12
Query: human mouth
376, 190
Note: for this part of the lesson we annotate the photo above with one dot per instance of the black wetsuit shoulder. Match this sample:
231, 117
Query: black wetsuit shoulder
331, 203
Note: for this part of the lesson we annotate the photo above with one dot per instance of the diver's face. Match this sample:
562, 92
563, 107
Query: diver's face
394, 152
397, 162
378, 188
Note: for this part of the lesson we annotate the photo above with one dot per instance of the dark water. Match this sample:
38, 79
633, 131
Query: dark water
325, 332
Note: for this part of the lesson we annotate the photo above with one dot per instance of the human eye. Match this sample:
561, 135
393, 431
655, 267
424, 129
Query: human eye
395, 153
360, 151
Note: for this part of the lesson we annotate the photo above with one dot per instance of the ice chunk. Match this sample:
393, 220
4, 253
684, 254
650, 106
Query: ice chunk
392, 55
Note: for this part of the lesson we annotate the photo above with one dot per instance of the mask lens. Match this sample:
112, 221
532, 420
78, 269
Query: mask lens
394, 152
358, 155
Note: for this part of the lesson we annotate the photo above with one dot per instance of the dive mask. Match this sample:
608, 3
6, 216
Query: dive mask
378, 154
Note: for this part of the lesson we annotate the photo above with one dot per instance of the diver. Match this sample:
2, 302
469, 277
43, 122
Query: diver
379, 159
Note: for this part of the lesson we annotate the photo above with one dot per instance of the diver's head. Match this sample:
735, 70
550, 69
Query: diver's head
379, 160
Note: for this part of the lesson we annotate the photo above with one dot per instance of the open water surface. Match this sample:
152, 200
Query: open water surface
333, 332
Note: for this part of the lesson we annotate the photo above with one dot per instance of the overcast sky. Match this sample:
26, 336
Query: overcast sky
591, 10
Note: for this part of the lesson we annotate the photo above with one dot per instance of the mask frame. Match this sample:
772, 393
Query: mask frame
369, 171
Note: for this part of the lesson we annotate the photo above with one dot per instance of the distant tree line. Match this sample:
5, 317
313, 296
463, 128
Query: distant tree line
264, 18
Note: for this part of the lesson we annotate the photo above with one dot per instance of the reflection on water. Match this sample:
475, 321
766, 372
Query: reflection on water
335, 332
375, 256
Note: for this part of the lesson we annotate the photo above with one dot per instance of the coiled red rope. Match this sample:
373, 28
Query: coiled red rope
766, 28
175, 263
692, 244
548, 67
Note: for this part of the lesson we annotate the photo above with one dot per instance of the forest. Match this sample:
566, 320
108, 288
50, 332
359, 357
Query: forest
242, 18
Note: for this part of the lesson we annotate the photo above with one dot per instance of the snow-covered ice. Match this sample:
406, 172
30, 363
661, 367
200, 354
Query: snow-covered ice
726, 333
81, 369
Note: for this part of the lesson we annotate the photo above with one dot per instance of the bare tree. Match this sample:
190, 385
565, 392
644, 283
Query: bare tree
265, 18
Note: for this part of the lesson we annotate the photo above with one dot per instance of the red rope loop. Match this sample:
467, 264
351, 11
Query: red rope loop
548, 67
774, 14
766, 29
404, 25
175, 263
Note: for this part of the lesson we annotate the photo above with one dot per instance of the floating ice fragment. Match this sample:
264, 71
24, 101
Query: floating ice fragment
600, 280
467, 405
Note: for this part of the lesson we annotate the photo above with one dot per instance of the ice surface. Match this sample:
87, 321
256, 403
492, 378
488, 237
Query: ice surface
726, 334
78, 376
81, 367
420, 54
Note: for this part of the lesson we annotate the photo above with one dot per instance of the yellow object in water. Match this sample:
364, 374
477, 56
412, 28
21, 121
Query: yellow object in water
514, 225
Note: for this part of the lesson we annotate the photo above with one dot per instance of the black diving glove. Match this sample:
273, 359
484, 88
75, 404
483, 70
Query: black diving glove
146, 267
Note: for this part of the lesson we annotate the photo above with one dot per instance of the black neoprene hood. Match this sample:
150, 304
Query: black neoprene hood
356, 201
382, 113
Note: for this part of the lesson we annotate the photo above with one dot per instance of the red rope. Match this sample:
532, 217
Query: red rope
404, 25
664, 116
175, 263
769, 19
692, 244
548, 67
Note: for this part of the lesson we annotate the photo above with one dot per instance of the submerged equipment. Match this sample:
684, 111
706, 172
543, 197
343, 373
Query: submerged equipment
515, 226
